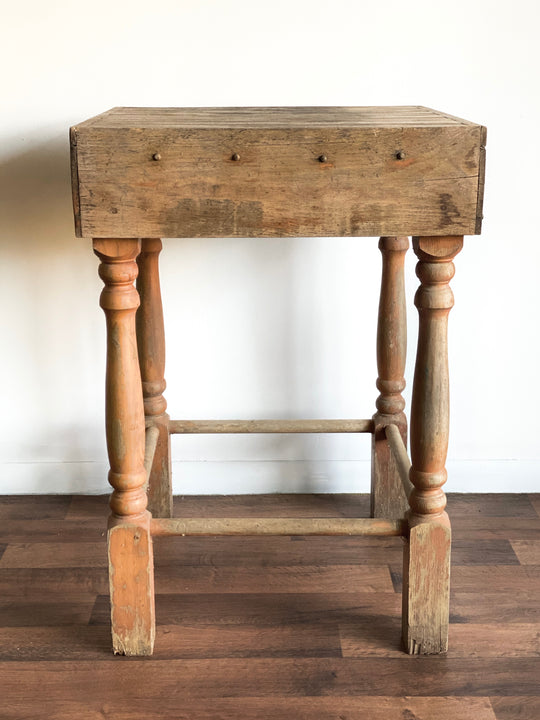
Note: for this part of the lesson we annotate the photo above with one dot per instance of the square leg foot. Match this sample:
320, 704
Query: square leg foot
131, 578
426, 587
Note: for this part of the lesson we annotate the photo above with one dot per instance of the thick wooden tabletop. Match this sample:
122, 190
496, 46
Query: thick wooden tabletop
272, 117
277, 171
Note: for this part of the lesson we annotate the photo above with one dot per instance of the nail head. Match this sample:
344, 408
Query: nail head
323, 158
235, 157
156, 156
400, 155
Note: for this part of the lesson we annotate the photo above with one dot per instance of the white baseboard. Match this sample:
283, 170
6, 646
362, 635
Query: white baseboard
254, 477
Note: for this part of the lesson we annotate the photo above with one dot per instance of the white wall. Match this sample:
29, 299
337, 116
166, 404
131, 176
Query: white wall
277, 328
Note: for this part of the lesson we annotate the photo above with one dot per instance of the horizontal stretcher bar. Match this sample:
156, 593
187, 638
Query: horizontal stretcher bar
276, 526
270, 426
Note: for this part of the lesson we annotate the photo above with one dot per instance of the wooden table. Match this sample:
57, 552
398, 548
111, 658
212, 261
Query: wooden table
391, 172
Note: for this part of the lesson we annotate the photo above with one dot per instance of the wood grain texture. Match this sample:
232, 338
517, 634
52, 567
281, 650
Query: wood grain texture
301, 708
401, 457
426, 591
92, 508
277, 526
124, 400
516, 708
131, 570
54, 555
466, 640
426, 559
256, 551
151, 347
534, 499
287, 605
270, 677
516, 640
79, 642
481, 180
18, 612
34, 507
270, 426
22, 532
297, 505
55, 641
483, 605
299, 579
388, 171
131, 587
483, 552
506, 527
523, 578
527, 551
211, 118
388, 499
44, 584
320, 646
497, 505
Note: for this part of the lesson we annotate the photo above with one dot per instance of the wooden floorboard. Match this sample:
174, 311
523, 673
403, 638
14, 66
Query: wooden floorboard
268, 628
535, 501
490, 605
265, 609
269, 677
516, 708
261, 708
527, 551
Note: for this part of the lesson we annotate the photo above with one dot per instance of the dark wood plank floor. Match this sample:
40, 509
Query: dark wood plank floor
267, 628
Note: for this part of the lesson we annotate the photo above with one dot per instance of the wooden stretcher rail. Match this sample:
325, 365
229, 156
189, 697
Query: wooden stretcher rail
270, 426
276, 526
150, 444
401, 457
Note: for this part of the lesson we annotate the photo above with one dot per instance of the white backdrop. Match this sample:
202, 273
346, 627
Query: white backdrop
277, 328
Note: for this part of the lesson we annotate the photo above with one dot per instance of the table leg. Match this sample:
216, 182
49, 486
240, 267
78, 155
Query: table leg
426, 567
388, 499
151, 344
131, 572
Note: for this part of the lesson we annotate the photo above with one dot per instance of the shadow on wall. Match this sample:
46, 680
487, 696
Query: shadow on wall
35, 197
285, 291
266, 330
46, 284
231, 313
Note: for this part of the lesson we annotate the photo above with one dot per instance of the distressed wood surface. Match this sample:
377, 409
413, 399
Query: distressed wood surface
481, 180
426, 560
387, 497
270, 172
306, 650
401, 458
151, 347
151, 439
271, 117
131, 573
131, 587
277, 526
301, 708
516, 708
282, 677
270, 426
528, 551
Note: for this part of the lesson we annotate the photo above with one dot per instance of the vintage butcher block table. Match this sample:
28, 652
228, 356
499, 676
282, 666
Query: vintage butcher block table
141, 174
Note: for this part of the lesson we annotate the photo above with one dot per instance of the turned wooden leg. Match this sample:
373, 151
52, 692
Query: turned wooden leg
388, 499
426, 568
151, 345
131, 571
